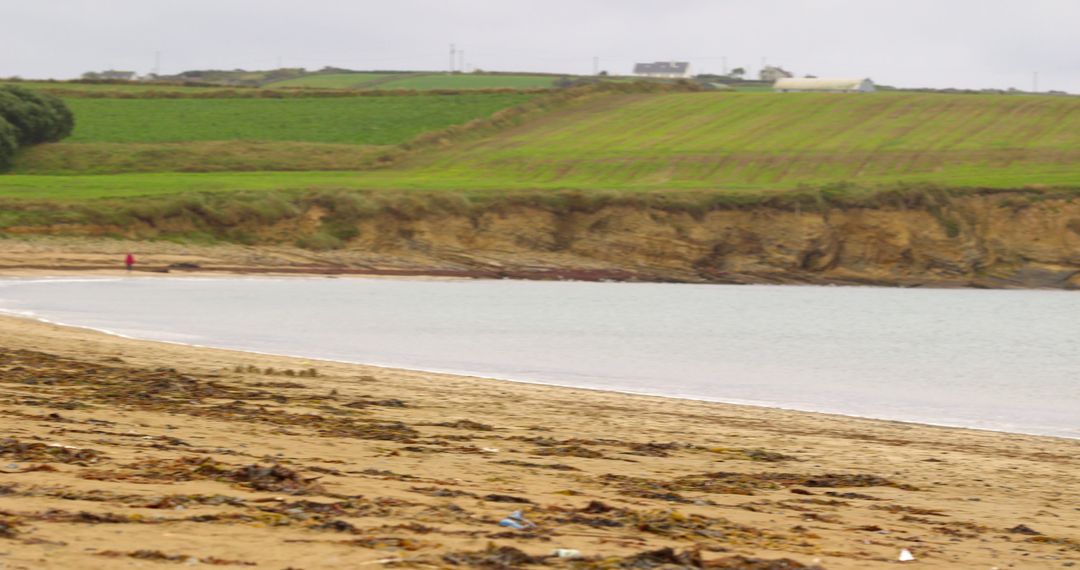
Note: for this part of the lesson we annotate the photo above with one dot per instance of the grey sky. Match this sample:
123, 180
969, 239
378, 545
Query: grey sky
939, 43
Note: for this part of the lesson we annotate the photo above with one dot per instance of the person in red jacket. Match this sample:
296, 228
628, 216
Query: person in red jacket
129, 261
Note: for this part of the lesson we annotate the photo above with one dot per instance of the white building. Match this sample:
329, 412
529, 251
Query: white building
665, 69
827, 84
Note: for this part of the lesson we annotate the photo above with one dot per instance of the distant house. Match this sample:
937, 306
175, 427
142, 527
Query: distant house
827, 84
666, 69
772, 73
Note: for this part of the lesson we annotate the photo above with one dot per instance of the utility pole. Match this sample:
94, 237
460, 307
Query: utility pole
461, 60
1035, 82
595, 65
453, 56
723, 64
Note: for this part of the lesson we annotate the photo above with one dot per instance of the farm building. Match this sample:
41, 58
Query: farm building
829, 84
772, 73
667, 69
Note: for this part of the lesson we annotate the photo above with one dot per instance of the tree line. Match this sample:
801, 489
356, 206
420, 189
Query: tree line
28, 118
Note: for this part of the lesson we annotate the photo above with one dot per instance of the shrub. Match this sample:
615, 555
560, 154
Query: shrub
9, 143
28, 118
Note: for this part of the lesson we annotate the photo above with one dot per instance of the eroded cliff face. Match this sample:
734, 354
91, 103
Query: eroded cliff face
991, 241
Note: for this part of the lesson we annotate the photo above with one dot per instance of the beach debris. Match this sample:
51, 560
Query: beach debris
570, 451
22, 451
554, 466
160, 556
496, 498
905, 555
566, 553
909, 510
733, 483
493, 557
465, 424
7, 528
516, 520
752, 455
663, 557
388, 543
596, 507
652, 449
669, 558
851, 495
1023, 529
274, 478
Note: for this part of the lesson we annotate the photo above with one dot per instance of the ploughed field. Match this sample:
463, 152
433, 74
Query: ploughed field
709, 140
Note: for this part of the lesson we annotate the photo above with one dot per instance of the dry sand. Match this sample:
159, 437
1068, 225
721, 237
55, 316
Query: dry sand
121, 454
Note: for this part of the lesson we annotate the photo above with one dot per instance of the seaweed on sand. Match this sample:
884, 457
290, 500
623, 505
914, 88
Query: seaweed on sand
670, 559
722, 482
275, 478
21, 451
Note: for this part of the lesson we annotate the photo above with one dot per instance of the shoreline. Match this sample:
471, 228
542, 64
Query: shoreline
971, 424
739, 480
5, 313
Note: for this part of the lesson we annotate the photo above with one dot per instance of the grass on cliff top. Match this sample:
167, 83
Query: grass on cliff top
93, 187
344, 120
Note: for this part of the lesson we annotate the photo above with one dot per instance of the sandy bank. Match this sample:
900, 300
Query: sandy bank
1005, 239
126, 453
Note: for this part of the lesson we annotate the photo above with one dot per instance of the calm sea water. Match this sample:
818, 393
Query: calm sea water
1004, 360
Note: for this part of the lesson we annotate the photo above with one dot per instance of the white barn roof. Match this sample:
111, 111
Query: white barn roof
823, 84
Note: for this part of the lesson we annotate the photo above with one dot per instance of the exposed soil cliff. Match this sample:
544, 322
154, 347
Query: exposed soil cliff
991, 240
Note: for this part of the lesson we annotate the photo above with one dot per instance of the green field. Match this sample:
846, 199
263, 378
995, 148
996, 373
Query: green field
346, 120
700, 140
735, 143
471, 81
332, 80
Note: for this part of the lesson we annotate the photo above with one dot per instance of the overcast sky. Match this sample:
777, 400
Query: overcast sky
911, 43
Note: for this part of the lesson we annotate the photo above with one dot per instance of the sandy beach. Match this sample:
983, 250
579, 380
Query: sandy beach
119, 453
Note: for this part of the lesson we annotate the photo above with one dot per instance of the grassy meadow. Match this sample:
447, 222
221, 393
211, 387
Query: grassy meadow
115, 135
726, 145
714, 140
345, 120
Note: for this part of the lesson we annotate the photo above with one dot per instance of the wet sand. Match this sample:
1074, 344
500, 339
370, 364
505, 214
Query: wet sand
119, 453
